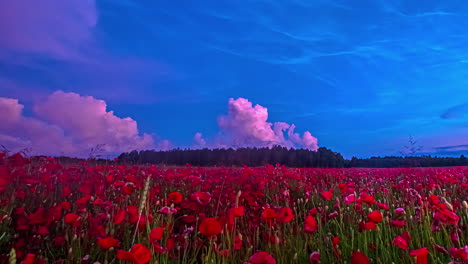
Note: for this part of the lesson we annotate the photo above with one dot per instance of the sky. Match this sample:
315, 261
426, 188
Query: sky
358, 77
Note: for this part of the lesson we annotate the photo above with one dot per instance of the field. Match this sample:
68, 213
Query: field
118, 213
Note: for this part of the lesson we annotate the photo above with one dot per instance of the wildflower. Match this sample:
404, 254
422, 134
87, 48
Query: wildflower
285, 215
262, 258
421, 255
107, 243
174, 197
314, 257
310, 224
375, 216
139, 254
400, 242
210, 227
359, 258
156, 234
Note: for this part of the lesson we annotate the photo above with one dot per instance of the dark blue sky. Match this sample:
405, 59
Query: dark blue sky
361, 76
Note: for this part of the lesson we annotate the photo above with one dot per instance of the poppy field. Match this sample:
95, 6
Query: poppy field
122, 213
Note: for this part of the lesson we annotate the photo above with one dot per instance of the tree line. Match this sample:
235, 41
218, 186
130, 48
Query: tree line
323, 158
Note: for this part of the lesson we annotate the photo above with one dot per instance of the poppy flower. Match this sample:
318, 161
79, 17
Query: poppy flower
350, 199
327, 195
268, 213
314, 257
174, 197
434, 199
285, 215
167, 210
421, 255
119, 217
29, 259
203, 198
262, 257
336, 240
210, 227
72, 219
238, 211
400, 242
375, 216
107, 243
406, 236
369, 226
460, 253
398, 223
400, 211
359, 258
237, 242
139, 254
156, 234
310, 224
332, 215
383, 206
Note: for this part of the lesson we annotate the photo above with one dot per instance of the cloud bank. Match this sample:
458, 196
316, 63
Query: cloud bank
70, 124
246, 125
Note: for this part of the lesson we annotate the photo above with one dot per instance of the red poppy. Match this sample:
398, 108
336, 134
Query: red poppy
29, 259
237, 242
400, 242
314, 257
369, 226
332, 215
375, 216
72, 219
327, 195
310, 224
139, 254
398, 223
107, 243
65, 205
262, 257
383, 206
203, 198
210, 227
400, 211
336, 240
285, 215
359, 258
460, 253
434, 199
350, 199
156, 234
406, 236
421, 255
238, 211
119, 217
269, 213
174, 197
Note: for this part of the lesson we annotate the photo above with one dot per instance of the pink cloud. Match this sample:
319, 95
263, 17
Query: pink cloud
198, 140
247, 125
52, 27
71, 124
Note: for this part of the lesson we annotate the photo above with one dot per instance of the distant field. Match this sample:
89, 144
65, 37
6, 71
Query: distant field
53, 213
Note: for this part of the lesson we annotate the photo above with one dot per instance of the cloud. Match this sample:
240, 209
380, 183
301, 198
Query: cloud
71, 124
198, 140
61, 45
52, 27
247, 125
455, 112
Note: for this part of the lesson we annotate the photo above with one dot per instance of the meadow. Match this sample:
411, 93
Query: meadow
122, 213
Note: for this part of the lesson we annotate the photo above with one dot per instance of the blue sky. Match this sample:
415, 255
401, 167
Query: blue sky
361, 76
